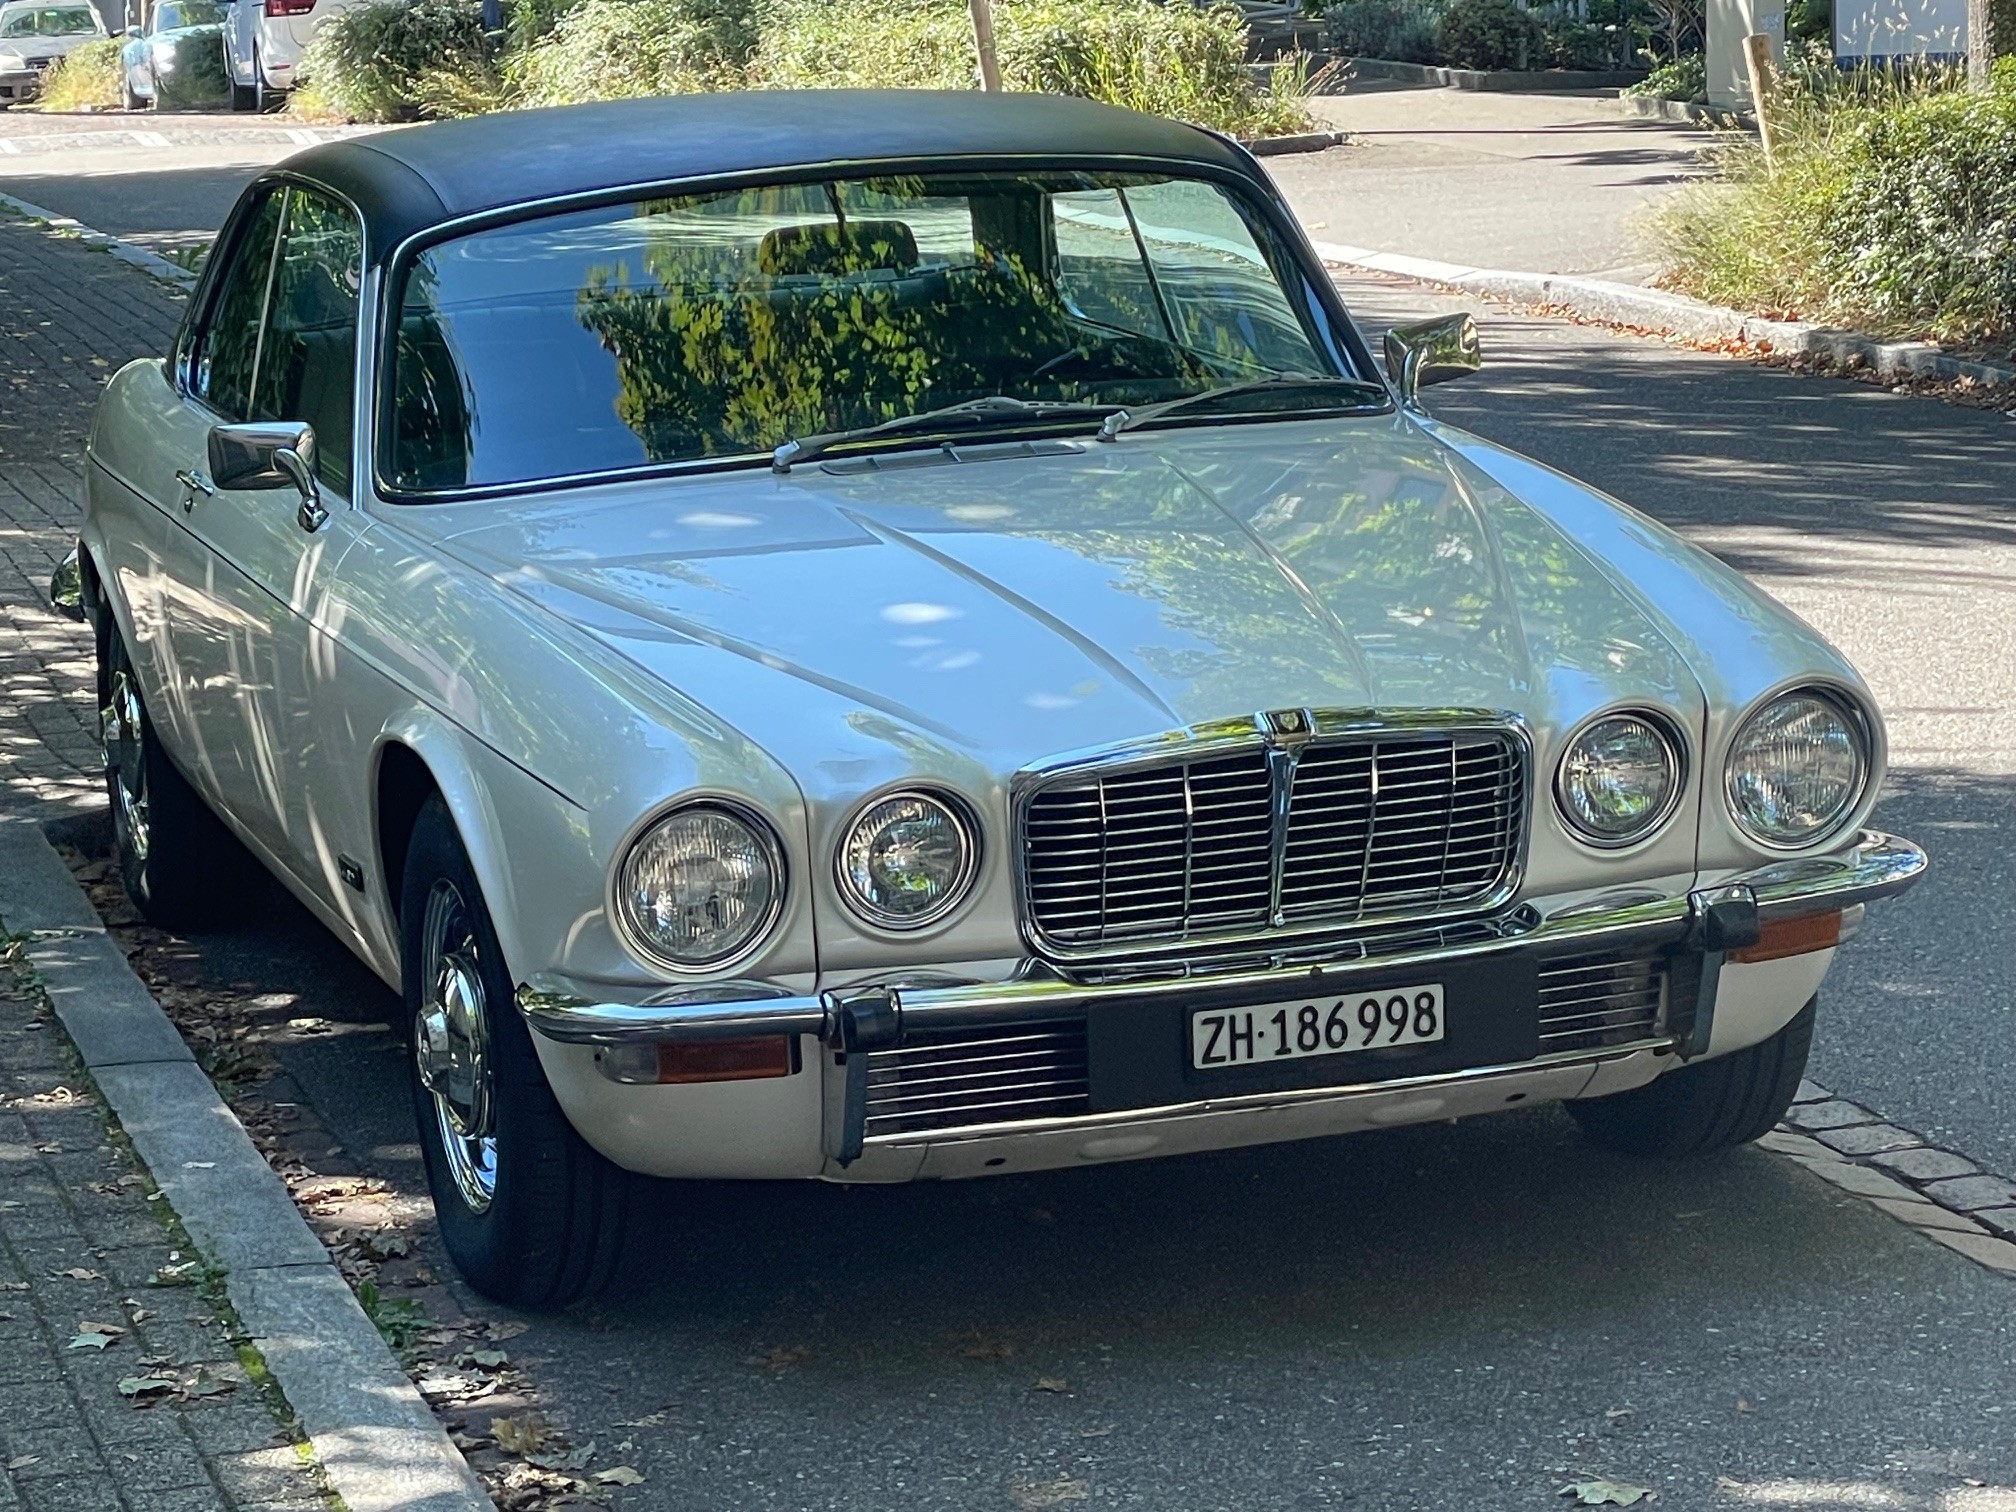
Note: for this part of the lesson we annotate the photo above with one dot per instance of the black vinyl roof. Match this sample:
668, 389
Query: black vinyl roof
409, 180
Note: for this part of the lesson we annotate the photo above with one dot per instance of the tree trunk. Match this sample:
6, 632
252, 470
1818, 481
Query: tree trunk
1991, 34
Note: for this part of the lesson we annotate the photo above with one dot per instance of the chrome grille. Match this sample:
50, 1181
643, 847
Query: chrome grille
1588, 1002
1404, 827
946, 1079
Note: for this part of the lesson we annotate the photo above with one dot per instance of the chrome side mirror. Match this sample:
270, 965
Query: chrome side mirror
270, 454
1431, 351
66, 587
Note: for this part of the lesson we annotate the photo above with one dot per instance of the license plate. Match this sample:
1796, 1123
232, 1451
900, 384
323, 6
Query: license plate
1323, 1026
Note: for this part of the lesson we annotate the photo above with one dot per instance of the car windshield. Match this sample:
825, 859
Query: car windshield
47, 21
723, 325
174, 15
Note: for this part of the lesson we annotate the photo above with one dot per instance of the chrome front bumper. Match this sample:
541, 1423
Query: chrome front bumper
875, 1016
1699, 927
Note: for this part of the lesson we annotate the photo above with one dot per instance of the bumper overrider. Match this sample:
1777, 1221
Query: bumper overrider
1785, 908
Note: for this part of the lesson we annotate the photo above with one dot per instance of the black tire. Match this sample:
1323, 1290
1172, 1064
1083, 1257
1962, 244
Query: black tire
549, 1227
182, 868
1712, 1105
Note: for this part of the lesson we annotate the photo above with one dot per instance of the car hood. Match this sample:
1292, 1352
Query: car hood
1005, 603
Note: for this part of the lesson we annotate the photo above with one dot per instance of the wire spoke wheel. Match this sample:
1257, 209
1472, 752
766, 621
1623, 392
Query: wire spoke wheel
451, 1045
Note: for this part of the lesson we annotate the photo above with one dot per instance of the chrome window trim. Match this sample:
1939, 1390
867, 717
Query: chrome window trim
1343, 340
1683, 764
1287, 730
961, 891
1860, 718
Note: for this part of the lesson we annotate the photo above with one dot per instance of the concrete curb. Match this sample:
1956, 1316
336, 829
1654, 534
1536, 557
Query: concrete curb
155, 267
375, 1438
1678, 315
1501, 81
1687, 113
1302, 141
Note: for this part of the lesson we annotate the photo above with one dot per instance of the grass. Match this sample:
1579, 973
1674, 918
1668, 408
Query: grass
1890, 208
392, 60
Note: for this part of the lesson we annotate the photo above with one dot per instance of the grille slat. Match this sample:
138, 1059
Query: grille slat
1413, 824
954, 1078
1588, 1002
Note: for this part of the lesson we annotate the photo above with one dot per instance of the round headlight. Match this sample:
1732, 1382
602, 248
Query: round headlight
702, 885
1796, 769
907, 861
1619, 780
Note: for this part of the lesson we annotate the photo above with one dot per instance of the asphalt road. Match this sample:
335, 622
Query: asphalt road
1461, 1317
1441, 173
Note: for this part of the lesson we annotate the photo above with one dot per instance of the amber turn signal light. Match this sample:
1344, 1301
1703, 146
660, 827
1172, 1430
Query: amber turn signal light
1779, 938
752, 1059
725, 1060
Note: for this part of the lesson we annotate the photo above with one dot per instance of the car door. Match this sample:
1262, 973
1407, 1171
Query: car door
280, 345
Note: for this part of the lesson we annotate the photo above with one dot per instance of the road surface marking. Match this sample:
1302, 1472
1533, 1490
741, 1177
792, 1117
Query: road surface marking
150, 139
302, 136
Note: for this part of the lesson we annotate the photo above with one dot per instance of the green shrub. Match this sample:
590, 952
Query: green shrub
1684, 79
1891, 209
1173, 60
1488, 34
86, 77
1398, 29
382, 60
619, 49
198, 77
1567, 41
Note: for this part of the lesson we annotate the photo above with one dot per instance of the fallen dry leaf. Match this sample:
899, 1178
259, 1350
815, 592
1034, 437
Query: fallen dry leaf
1051, 1493
620, 1475
141, 1386
1599, 1491
777, 1357
982, 1346
1055, 1384
520, 1435
23, 1461
77, 1273
91, 1341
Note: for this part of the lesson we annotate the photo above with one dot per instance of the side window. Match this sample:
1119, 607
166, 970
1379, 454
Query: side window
227, 348
308, 364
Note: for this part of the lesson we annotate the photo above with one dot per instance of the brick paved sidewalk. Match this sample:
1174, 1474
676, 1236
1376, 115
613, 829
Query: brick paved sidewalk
84, 1251
70, 317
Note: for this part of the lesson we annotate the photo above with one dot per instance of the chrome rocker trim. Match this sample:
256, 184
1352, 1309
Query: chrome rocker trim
872, 1016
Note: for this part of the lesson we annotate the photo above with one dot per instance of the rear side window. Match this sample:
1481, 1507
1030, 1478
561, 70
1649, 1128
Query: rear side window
308, 359
227, 350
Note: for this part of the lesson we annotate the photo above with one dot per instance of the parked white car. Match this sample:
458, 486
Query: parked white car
263, 43
34, 34
952, 664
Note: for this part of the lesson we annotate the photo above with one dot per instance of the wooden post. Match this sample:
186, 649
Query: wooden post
983, 45
1757, 51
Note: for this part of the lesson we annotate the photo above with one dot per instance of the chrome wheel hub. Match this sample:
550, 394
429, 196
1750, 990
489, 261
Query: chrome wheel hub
120, 725
451, 1045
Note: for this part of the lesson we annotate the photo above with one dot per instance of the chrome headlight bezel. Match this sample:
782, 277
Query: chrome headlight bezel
1855, 718
964, 826
769, 847
1674, 746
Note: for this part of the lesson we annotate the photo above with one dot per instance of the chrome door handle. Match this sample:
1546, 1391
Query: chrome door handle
193, 483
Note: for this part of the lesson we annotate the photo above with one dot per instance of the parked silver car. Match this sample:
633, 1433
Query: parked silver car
34, 36
890, 636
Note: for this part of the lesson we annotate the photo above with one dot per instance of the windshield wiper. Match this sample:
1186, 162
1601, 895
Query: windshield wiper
994, 408
1127, 419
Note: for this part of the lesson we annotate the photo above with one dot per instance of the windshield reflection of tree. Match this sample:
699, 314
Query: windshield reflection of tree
727, 342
